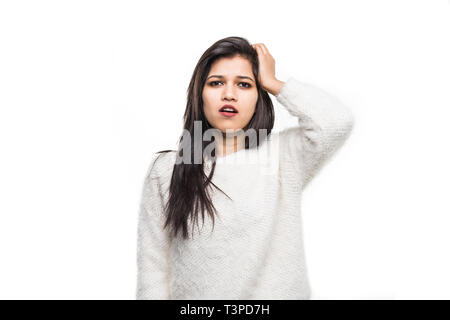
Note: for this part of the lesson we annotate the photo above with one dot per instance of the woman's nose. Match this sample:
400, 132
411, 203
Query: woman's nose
229, 93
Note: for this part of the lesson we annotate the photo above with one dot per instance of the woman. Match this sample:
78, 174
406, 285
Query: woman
255, 249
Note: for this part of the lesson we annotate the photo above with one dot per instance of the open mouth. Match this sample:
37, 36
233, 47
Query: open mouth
228, 111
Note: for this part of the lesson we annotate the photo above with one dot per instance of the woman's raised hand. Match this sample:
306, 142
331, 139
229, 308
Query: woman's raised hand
267, 77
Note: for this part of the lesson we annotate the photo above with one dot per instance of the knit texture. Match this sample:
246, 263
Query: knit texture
256, 248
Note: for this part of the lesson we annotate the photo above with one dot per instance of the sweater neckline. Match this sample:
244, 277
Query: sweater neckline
238, 157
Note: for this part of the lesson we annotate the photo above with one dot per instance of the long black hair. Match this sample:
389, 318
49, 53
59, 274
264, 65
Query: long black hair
188, 191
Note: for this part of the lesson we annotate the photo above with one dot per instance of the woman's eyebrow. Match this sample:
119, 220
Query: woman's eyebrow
221, 77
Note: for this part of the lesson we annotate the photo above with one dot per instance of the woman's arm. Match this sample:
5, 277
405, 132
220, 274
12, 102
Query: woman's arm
153, 242
324, 124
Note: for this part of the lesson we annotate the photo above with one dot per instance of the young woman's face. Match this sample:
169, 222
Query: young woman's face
230, 81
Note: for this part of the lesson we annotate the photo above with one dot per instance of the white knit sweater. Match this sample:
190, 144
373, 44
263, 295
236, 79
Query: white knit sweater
256, 248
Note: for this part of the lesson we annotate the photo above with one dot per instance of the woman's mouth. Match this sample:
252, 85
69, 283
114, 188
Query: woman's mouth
228, 111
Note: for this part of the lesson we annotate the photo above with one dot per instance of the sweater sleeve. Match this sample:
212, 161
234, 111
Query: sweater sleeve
153, 242
324, 124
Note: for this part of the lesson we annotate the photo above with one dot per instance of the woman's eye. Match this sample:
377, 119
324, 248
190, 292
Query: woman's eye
246, 84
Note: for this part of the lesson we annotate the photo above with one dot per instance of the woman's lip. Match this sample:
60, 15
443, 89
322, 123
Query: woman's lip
228, 106
228, 114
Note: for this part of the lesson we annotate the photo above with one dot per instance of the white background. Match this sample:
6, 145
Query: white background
89, 90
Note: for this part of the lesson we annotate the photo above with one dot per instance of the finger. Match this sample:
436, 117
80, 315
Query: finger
258, 46
259, 50
264, 48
